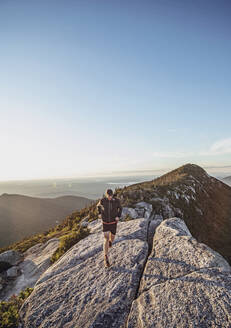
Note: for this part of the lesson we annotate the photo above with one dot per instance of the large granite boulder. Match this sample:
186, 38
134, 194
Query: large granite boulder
11, 257
184, 284
147, 208
131, 212
141, 210
13, 272
78, 291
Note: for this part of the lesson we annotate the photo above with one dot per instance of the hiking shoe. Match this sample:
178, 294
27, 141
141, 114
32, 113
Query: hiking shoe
106, 261
110, 243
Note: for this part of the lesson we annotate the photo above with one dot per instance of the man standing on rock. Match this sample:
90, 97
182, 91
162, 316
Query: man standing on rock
109, 209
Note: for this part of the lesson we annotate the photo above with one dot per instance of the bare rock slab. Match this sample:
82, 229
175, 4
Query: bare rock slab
78, 291
184, 284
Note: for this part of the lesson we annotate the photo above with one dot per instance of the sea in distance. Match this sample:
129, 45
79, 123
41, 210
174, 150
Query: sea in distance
89, 187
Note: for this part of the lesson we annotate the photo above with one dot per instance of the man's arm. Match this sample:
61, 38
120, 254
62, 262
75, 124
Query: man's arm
119, 208
98, 205
99, 208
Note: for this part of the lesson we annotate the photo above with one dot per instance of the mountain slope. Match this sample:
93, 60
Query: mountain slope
22, 216
190, 193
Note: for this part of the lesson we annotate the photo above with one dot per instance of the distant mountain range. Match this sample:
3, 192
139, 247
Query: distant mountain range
22, 216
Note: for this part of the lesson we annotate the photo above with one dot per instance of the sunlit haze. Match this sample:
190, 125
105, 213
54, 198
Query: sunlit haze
92, 88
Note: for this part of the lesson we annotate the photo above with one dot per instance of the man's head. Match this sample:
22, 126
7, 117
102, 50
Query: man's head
109, 193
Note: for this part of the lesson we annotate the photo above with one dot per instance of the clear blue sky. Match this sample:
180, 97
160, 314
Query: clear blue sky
90, 87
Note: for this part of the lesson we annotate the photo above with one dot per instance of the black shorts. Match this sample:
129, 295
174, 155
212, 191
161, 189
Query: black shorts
110, 227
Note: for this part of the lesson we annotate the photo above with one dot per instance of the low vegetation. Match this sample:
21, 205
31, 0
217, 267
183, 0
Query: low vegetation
128, 218
68, 241
9, 310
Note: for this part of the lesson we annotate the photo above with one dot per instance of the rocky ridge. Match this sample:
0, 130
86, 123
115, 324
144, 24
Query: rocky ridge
188, 207
160, 277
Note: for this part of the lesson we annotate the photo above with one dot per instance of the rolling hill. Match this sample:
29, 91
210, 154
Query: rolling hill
22, 216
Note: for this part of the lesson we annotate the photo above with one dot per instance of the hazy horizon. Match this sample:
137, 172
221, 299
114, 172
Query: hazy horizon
222, 171
92, 188
89, 187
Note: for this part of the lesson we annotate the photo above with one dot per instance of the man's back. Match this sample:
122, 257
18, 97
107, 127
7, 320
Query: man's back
109, 209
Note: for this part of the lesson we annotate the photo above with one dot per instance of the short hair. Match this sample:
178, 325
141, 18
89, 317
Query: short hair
109, 192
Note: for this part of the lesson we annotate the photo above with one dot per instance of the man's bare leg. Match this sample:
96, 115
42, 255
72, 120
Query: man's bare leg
106, 242
112, 236
105, 247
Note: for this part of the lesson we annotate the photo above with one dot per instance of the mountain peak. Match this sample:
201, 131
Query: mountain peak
184, 171
192, 169
188, 192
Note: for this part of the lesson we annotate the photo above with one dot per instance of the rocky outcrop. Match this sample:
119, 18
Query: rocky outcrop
184, 284
139, 210
33, 263
11, 257
78, 291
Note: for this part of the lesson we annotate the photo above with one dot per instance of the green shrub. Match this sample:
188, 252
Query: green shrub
68, 241
128, 218
9, 315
